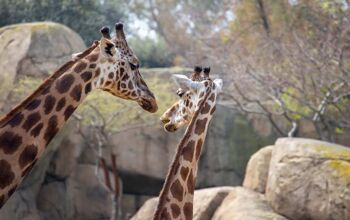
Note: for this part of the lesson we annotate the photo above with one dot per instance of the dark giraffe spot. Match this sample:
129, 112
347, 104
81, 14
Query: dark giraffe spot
51, 129
188, 151
76, 93
16, 120
97, 73
123, 85
80, 67
86, 76
133, 94
175, 209
9, 142
184, 172
92, 57
68, 112
45, 90
6, 174
190, 183
121, 71
108, 83
31, 120
187, 102
200, 126
64, 83
2, 200
33, 104
88, 88
28, 155
130, 85
61, 103
165, 215
111, 75
199, 148
206, 84
101, 81
49, 103
212, 97
205, 109
118, 85
125, 77
188, 210
213, 110
11, 191
92, 66
36, 130
201, 94
177, 190
191, 104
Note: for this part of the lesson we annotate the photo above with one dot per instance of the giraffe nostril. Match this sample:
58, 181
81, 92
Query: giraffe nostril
165, 120
170, 127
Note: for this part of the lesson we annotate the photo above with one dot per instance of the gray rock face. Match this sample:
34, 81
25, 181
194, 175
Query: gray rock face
258, 169
245, 204
309, 179
206, 201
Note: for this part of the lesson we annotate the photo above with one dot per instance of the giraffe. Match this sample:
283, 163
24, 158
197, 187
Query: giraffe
109, 64
195, 107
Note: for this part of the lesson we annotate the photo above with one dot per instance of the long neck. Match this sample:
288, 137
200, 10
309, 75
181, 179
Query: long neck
28, 129
176, 197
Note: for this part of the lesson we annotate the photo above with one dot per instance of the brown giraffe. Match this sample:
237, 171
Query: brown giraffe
196, 106
109, 64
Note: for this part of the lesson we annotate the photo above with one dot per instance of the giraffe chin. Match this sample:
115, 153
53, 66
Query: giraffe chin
170, 127
148, 105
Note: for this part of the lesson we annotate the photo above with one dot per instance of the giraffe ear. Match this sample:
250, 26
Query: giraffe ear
218, 83
107, 48
185, 83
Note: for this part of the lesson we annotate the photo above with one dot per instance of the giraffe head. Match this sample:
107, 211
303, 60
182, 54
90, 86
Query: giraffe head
119, 70
192, 92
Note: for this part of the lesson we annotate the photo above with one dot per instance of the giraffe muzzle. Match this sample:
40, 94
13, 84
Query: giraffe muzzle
170, 127
149, 105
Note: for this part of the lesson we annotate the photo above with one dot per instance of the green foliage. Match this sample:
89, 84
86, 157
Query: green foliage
151, 52
84, 16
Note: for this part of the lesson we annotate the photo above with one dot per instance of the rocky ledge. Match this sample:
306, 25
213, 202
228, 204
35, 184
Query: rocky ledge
294, 179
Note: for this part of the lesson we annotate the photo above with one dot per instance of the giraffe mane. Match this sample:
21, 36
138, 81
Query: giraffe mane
47, 82
177, 157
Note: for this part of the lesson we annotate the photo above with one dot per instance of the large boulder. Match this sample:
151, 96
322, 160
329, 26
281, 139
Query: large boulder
245, 204
206, 201
258, 169
34, 49
309, 179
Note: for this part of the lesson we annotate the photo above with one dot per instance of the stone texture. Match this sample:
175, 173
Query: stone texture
206, 201
309, 179
245, 204
258, 169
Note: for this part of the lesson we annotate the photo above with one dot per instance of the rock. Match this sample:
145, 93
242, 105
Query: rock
245, 204
205, 201
309, 179
34, 49
258, 169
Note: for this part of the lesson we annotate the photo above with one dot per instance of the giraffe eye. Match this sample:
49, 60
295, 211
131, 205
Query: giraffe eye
133, 66
180, 93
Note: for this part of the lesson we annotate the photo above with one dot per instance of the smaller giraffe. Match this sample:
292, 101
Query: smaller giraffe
195, 107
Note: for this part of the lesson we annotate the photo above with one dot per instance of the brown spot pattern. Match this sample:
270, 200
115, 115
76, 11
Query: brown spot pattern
190, 183
199, 148
9, 142
184, 172
188, 210
51, 129
33, 104
80, 67
36, 131
16, 120
31, 120
188, 151
88, 88
6, 174
64, 84
28, 169
28, 155
205, 109
111, 75
68, 112
76, 93
86, 76
213, 110
92, 57
212, 97
175, 209
165, 215
130, 85
200, 126
61, 103
49, 103
177, 190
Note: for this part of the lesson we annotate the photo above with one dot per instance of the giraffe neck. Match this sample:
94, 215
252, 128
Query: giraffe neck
176, 197
28, 128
